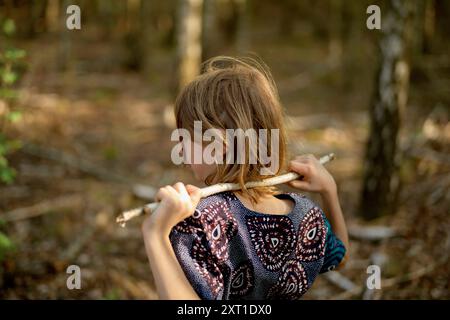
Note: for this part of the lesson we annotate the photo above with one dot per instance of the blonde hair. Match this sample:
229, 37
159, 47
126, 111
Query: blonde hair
234, 93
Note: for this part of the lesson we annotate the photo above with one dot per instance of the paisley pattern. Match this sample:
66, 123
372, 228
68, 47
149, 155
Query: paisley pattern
242, 280
229, 252
312, 236
206, 266
273, 238
292, 282
191, 224
216, 223
219, 227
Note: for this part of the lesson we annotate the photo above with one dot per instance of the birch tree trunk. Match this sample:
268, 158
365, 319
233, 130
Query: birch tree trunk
189, 40
380, 183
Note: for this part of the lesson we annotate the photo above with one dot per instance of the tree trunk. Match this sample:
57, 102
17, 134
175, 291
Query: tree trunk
65, 36
429, 26
242, 38
36, 10
380, 183
189, 40
52, 16
147, 36
133, 9
132, 39
208, 28
335, 44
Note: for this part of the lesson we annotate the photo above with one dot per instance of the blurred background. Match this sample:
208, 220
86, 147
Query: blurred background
86, 117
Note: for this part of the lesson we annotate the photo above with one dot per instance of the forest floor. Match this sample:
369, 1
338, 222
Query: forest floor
91, 136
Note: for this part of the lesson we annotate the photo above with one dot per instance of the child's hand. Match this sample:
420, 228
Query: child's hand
315, 177
177, 202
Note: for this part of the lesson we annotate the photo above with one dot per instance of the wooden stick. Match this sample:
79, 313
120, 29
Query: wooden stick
217, 188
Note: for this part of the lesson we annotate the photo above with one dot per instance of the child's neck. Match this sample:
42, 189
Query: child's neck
267, 204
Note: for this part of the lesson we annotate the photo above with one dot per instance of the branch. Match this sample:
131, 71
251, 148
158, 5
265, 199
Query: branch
316, 121
390, 282
53, 154
69, 160
371, 233
71, 253
217, 188
136, 289
41, 208
340, 280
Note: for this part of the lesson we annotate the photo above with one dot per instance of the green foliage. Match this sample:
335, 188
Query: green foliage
7, 173
110, 153
113, 294
9, 27
10, 63
15, 54
6, 246
14, 116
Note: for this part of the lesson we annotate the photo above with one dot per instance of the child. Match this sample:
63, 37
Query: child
255, 243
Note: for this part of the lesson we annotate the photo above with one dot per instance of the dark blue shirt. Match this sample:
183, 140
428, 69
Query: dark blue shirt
228, 251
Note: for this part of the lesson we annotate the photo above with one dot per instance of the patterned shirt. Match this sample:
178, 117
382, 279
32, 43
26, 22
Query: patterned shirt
228, 251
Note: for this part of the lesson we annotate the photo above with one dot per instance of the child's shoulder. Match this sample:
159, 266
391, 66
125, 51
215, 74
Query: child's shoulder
224, 201
310, 211
302, 202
